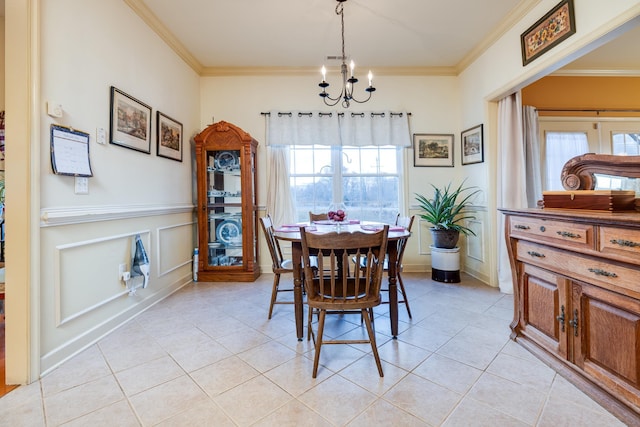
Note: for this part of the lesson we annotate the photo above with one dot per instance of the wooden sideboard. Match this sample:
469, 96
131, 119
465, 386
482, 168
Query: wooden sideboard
577, 298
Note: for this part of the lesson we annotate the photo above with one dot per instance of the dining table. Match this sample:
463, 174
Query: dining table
291, 233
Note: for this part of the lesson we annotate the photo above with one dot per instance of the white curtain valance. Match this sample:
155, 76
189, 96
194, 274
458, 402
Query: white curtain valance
334, 128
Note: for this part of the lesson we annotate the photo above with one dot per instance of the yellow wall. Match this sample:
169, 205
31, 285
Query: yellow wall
584, 93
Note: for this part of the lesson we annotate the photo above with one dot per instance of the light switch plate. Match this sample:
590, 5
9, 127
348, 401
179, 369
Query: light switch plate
82, 185
101, 136
53, 109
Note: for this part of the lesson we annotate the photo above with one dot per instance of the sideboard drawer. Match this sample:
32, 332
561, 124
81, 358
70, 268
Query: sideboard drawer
622, 243
621, 278
561, 233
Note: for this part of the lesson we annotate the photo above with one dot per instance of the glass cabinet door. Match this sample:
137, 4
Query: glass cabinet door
224, 208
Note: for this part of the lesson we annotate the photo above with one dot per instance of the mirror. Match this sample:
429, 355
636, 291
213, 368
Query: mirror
602, 172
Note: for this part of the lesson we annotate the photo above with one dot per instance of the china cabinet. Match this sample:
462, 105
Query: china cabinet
227, 204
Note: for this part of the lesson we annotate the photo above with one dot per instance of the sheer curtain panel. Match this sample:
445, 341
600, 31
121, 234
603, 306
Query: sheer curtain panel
512, 182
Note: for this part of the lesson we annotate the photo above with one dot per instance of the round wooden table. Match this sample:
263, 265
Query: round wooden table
292, 234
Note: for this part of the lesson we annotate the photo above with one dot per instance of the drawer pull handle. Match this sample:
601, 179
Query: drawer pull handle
627, 243
521, 227
561, 318
569, 234
543, 228
535, 254
601, 272
574, 322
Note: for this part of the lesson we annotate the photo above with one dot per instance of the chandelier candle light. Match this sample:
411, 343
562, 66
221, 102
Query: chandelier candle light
346, 95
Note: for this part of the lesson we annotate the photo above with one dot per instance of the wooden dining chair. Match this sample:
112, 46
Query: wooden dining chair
405, 222
279, 265
318, 216
335, 289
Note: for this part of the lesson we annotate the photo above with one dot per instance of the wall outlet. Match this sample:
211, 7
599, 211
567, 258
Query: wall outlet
122, 268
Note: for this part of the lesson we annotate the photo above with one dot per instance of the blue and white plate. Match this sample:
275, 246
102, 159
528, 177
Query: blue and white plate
229, 232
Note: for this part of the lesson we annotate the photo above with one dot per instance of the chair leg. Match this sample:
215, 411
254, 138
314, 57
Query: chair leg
366, 315
404, 295
316, 357
309, 321
274, 292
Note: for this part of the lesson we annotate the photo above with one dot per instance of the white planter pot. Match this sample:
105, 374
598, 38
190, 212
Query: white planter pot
445, 265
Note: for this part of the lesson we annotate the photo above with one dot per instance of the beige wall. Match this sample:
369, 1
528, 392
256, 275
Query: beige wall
499, 72
63, 292
438, 105
78, 50
433, 102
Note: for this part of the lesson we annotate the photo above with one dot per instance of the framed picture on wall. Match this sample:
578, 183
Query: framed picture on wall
169, 137
432, 149
472, 143
550, 30
130, 122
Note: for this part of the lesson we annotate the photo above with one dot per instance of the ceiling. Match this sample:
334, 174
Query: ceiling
399, 36
432, 34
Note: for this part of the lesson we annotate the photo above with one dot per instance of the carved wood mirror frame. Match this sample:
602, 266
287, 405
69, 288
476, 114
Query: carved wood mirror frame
579, 172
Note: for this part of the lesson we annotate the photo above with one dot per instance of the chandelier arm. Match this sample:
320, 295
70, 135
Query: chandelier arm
331, 104
363, 101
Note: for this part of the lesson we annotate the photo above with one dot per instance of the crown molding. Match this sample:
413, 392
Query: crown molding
306, 71
519, 12
143, 11
597, 72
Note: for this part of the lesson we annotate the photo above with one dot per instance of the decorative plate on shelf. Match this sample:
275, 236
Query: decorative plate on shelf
229, 232
226, 160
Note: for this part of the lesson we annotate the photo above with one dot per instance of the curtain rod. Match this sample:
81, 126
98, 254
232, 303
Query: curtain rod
331, 113
591, 110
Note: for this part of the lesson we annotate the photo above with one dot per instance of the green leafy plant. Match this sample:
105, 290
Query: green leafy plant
445, 211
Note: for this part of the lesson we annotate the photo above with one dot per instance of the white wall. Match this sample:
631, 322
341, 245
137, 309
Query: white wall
433, 102
83, 47
86, 47
499, 72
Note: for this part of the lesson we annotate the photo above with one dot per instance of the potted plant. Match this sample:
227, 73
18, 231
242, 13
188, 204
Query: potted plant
446, 212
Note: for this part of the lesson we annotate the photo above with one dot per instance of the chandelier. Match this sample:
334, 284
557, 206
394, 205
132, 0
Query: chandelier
348, 83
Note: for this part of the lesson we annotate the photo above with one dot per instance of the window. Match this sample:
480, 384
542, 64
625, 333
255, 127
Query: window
560, 140
366, 179
624, 143
559, 148
616, 136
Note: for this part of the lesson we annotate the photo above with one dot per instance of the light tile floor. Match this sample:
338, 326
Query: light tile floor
208, 356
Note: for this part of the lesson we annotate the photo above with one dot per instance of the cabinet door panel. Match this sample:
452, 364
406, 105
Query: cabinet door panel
544, 309
608, 343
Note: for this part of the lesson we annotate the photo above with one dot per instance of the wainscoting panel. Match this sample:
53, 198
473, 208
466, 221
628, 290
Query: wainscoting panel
78, 265
174, 247
475, 244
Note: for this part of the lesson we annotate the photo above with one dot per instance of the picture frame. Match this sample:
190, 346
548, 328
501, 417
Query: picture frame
130, 122
168, 137
472, 145
550, 30
432, 150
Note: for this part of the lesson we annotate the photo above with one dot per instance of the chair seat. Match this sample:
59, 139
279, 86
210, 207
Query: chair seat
343, 305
